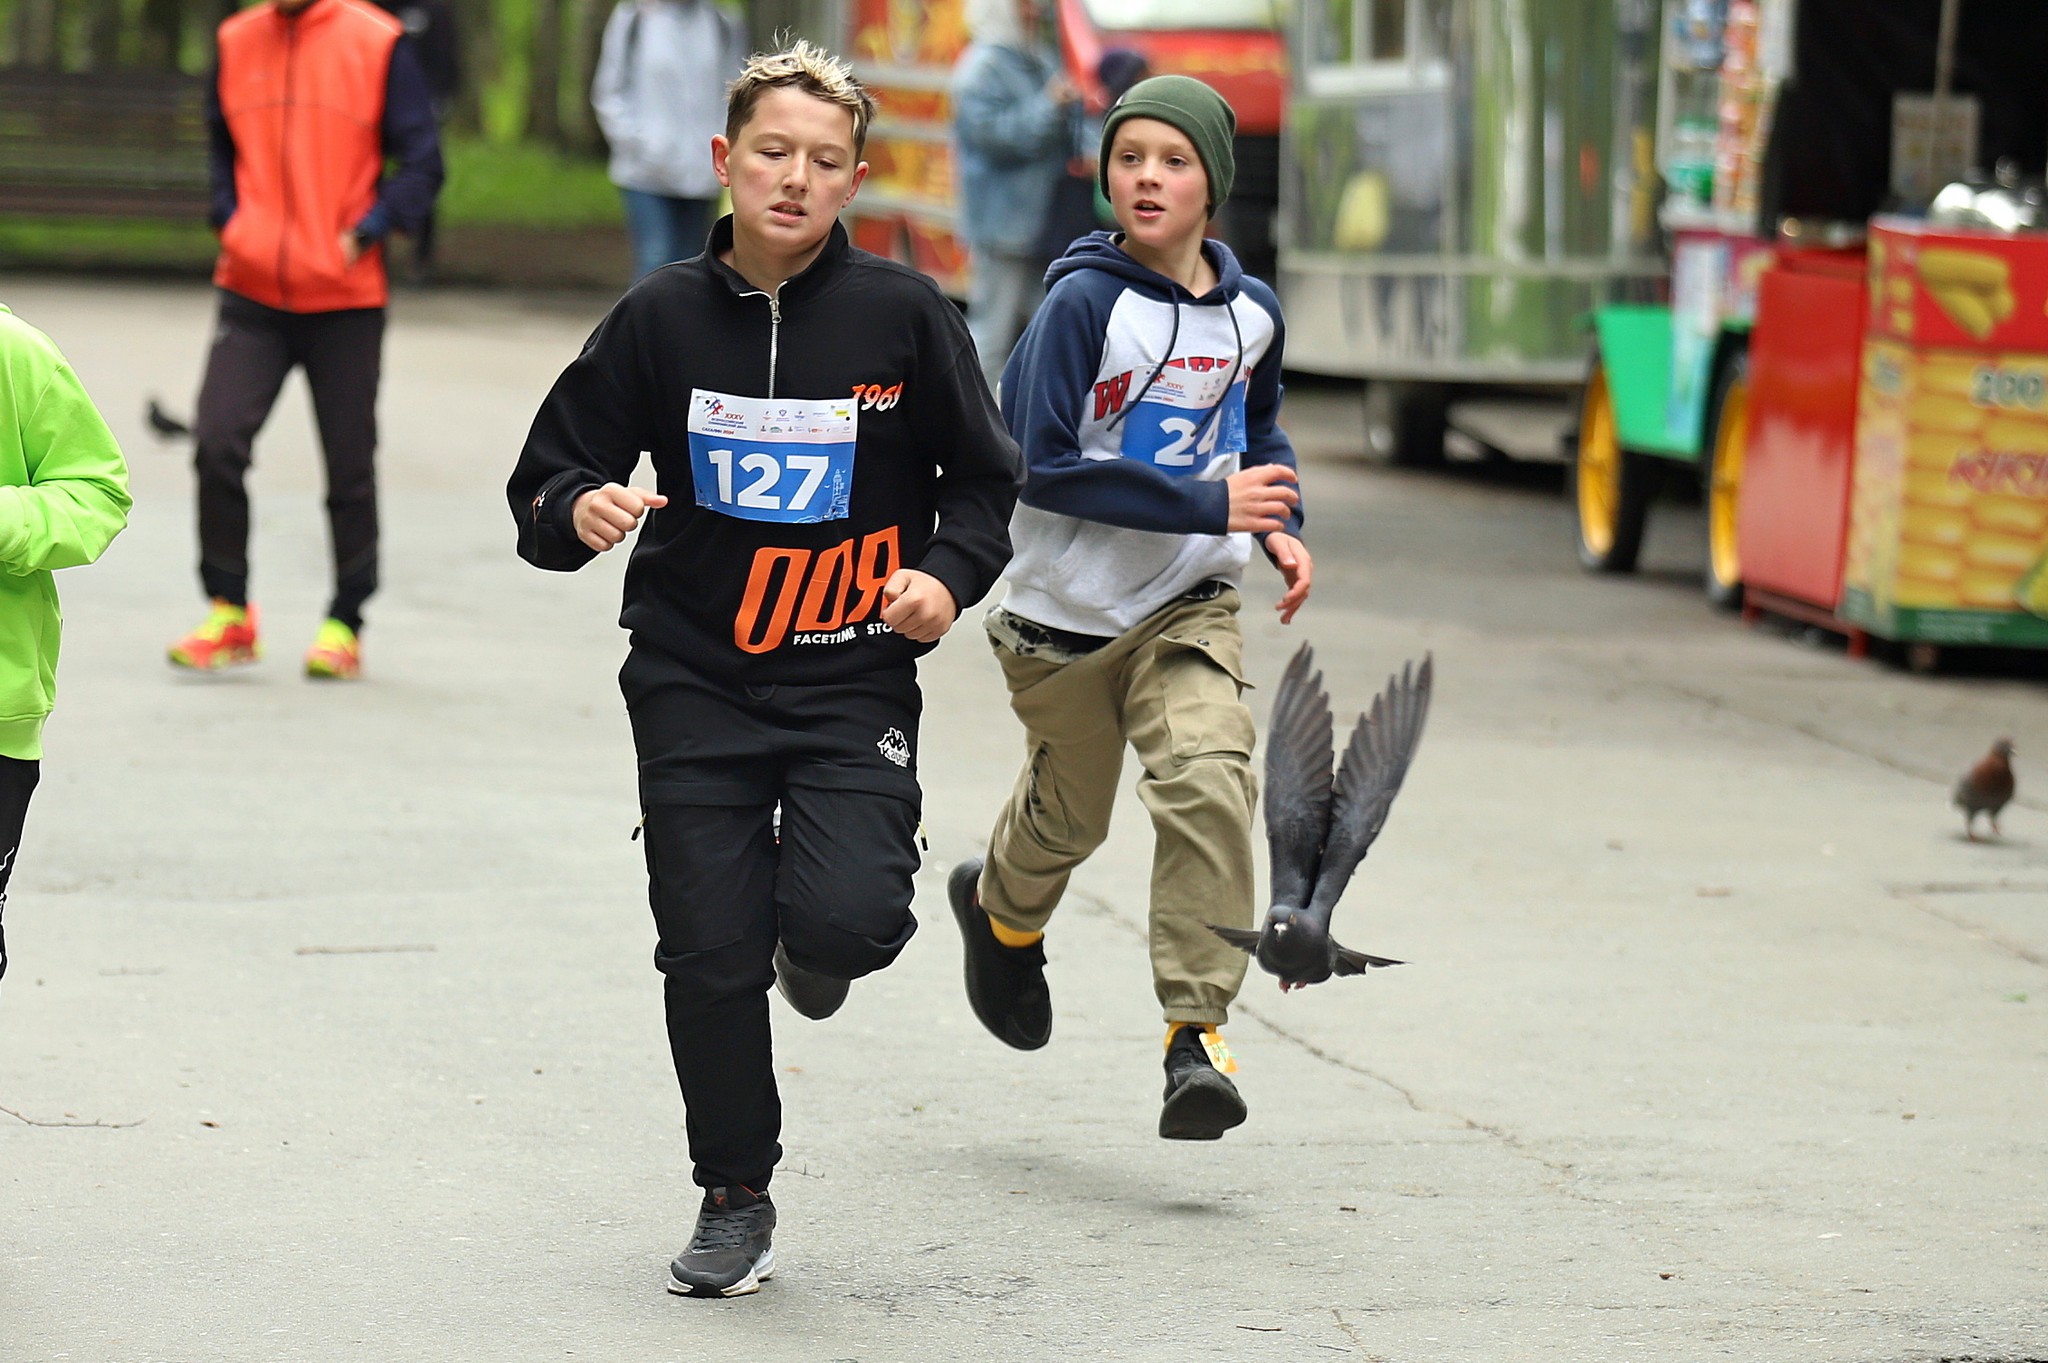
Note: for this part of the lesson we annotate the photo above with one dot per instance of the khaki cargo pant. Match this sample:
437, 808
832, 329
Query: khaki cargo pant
1170, 689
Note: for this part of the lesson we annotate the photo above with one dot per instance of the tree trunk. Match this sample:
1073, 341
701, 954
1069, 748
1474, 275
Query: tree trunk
163, 32
35, 32
544, 75
103, 34
477, 26
587, 33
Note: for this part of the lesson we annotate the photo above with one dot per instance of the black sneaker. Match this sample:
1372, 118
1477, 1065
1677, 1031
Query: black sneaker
815, 996
1201, 1102
731, 1254
1005, 985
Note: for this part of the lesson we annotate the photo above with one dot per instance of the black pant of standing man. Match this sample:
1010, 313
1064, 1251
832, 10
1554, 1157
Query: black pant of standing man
254, 349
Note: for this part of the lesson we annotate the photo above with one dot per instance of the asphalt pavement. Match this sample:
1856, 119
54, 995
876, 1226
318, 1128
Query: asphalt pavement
332, 1030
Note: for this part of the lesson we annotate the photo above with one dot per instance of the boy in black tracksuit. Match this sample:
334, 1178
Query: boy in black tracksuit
834, 485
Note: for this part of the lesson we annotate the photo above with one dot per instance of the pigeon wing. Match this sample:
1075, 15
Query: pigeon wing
1242, 938
1375, 762
1298, 757
1351, 962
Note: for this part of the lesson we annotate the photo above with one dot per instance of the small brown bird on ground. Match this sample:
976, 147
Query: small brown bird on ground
1986, 787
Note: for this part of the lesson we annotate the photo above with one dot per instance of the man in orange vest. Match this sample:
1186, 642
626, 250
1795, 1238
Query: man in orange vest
312, 97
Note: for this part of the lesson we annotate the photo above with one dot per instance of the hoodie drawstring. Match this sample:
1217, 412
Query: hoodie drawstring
1159, 369
1215, 413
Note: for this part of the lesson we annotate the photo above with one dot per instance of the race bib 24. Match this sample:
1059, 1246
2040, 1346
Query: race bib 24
1181, 428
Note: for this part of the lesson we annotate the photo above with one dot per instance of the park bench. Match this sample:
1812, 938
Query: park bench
126, 143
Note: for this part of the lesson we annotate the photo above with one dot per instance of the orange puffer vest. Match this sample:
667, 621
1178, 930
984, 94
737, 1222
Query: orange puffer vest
304, 102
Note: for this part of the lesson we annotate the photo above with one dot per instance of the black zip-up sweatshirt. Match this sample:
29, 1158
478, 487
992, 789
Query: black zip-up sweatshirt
934, 472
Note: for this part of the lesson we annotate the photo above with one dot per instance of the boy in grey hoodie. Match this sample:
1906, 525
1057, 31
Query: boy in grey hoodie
1146, 396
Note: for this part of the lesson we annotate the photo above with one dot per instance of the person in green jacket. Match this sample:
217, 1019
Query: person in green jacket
63, 498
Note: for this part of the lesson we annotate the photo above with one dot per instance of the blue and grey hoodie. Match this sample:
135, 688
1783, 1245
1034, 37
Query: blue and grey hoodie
1133, 400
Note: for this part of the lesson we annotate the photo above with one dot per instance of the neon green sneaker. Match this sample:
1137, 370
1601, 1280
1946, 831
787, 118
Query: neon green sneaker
336, 654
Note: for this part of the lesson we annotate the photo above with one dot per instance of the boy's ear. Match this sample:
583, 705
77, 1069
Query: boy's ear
721, 159
860, 172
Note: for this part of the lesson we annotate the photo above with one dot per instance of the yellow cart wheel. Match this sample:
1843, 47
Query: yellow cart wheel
1726, 447
1611, 486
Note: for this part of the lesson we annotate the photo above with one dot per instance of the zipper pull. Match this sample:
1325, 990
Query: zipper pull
635, 835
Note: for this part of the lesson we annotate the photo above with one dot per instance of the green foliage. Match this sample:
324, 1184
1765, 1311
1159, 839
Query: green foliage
521, 185
91, 243
515, 186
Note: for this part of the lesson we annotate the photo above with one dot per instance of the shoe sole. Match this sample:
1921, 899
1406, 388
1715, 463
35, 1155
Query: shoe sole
972, 919
1202, 1109
761, 1272
220, 662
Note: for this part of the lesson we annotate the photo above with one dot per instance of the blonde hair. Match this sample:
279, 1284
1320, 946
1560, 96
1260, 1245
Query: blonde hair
807, 68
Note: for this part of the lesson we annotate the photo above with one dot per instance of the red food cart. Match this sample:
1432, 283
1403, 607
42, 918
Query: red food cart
1870, 413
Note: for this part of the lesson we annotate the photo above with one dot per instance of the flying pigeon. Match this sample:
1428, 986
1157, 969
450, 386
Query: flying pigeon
1319, 829
166, 426
1986, 787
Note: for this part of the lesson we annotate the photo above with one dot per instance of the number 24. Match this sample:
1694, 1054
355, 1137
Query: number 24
1177, 454
767, 472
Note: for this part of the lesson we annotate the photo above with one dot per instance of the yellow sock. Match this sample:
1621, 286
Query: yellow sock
1220, 1054
1010, 937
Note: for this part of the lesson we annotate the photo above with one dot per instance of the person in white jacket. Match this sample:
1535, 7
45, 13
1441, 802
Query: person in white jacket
659, 96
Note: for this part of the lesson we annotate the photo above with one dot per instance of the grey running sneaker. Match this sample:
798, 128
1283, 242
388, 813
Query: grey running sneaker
1201, 1102
732, 1252
1005, 985
815, 996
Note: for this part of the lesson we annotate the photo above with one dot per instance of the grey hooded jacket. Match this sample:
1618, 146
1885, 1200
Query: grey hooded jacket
659, 93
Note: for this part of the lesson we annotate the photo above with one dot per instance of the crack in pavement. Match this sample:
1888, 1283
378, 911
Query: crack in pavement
1808, 730
1564, 1174
1910, 894
1976, 930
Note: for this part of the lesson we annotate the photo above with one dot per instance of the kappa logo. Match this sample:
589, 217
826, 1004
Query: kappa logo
895, 747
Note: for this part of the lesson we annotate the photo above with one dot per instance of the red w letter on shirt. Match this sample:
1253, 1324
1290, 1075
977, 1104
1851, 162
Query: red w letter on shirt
1110, 395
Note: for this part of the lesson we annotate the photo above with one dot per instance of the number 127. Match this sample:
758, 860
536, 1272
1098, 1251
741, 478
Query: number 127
767, 472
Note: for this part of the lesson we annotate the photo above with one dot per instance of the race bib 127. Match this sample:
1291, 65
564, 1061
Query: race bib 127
1182, 436
772, 459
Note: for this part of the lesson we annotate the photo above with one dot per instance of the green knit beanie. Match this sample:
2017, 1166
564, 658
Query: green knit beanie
1201, 114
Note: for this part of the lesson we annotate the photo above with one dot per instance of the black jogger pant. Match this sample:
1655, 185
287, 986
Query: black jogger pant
17, 783
715, 762
254, 348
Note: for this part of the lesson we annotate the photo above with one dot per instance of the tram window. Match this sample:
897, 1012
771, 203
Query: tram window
1373, 40
1389, 37
1432, 37
1334, 33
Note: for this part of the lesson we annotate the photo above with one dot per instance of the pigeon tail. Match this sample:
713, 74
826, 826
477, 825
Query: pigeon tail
1244, 939
1351, 962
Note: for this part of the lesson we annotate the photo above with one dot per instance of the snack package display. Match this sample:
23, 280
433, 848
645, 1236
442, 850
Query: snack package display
1973, 287
1956, 287
1948, 517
